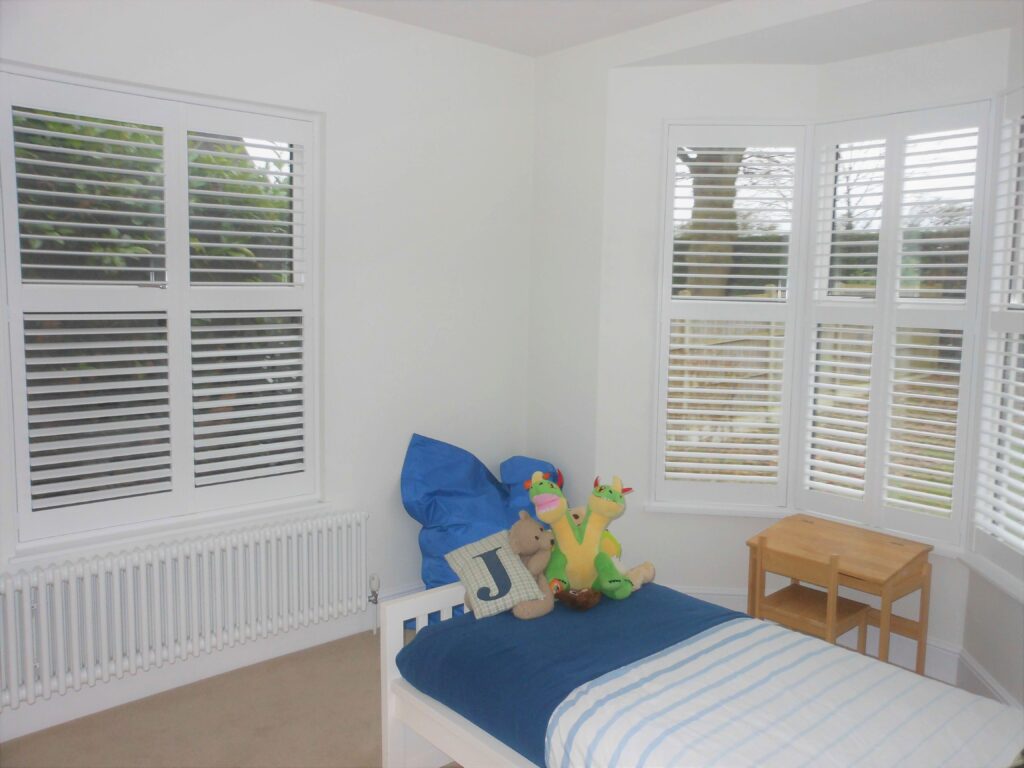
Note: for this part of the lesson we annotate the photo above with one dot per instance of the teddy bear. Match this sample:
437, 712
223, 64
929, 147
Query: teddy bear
533, 543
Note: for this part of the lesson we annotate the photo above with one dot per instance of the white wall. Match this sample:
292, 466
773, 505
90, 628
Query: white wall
950, 72
994, 637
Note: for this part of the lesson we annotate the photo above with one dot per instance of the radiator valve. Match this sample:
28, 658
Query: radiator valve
374, 588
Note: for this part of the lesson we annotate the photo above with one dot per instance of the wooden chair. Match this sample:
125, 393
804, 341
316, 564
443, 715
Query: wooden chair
812, 611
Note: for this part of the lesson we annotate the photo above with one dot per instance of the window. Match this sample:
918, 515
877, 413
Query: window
726, 312
1000, 478
158, 256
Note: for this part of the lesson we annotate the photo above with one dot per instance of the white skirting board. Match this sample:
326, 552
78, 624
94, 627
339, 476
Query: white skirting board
943, 662
975, 678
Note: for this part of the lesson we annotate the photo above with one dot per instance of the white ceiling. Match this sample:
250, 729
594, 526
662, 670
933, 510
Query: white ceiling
533, 27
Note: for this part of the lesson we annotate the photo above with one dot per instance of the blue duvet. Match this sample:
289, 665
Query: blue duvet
508, 676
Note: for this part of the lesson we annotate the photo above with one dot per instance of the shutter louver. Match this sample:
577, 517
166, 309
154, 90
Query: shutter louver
1001, 464
248, 395
244, 217
732, 219
98, 406
90, 199
851, 199
724, 401
924, 399
937, 205
1008, 244
841, 386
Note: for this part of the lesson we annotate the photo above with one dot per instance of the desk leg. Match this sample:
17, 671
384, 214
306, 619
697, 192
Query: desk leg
922, 621
752, 581
884, 624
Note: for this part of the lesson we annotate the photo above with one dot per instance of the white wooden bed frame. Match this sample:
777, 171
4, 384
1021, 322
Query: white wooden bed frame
416, 730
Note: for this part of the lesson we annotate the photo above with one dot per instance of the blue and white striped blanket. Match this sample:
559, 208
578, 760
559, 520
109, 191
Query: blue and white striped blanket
750, 693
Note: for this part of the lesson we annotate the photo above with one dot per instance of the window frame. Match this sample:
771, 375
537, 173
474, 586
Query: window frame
176, 114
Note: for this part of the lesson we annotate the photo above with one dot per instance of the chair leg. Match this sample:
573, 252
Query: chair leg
862, 634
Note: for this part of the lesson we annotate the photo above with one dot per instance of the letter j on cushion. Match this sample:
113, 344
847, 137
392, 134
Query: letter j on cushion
493, 575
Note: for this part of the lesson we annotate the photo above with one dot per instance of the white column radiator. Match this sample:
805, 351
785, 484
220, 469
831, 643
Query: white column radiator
65, 626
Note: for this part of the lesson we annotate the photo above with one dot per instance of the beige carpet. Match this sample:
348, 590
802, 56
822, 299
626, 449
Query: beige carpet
319, 707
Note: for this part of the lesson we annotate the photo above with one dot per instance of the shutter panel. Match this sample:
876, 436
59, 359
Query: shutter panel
245, 222
937, 205
924, 400
1001, 461
852, 180
732, 219
248, 395
724, 401
1008, 244
1000, 484
98, 406
840, 391
90, 199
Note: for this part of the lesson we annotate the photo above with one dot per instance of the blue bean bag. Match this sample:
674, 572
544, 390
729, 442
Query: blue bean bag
457, 500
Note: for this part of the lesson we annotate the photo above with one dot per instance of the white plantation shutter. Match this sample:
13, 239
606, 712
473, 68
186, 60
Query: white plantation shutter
850, 203
890, 302
110, 193
246, 228
937, 204
724, 401
733, 214
924, 401
999, 510
98, 406
249, 327
725, 314
840, 400
90, 198
1007, 285
247, 395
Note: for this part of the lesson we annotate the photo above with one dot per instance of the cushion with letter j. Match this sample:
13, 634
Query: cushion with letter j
493, 575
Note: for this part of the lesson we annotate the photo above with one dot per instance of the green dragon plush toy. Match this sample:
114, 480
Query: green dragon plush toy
583, 552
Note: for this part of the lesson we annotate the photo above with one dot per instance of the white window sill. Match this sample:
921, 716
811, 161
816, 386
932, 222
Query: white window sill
103, 540
994, 575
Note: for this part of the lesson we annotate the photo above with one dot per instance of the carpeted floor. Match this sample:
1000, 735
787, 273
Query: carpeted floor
319, 707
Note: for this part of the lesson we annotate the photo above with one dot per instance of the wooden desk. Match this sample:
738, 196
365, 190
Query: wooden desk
869, 561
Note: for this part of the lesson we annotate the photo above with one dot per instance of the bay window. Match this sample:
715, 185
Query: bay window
845, 334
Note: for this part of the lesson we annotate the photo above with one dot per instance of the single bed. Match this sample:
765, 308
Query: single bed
661, 679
